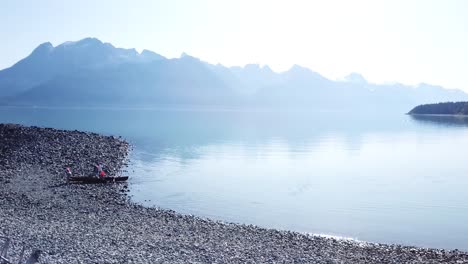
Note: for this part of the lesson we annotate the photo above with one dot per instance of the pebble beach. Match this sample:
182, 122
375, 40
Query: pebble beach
98, 223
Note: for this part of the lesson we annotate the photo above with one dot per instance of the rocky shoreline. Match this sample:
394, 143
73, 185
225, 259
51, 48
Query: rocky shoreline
74, 223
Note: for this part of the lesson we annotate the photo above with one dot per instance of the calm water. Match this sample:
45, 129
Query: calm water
391, 178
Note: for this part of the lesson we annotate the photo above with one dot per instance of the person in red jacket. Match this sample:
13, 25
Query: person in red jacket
100, 171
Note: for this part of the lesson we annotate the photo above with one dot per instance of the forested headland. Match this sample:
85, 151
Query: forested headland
448, 108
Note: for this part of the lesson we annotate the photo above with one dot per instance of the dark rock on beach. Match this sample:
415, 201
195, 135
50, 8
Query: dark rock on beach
72, 223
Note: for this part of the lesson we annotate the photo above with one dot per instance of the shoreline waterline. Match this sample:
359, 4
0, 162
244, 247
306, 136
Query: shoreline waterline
98, 223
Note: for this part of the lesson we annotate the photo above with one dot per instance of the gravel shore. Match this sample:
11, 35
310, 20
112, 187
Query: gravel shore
73, 223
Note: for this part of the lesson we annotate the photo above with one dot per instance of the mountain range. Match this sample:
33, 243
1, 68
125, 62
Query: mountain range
92, 73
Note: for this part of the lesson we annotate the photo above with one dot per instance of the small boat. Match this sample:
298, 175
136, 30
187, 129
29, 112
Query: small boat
93, 179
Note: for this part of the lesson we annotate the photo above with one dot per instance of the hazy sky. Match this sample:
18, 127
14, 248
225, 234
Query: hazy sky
408, 41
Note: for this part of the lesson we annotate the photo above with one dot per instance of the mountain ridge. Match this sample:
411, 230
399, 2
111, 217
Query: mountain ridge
75, 72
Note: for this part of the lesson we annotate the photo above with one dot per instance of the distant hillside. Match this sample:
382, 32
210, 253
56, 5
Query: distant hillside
89, 73
449, 108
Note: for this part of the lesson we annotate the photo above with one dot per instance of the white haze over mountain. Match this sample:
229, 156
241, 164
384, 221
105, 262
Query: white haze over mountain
91, 73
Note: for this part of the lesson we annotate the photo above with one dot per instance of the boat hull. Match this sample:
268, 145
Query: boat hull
90, 179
